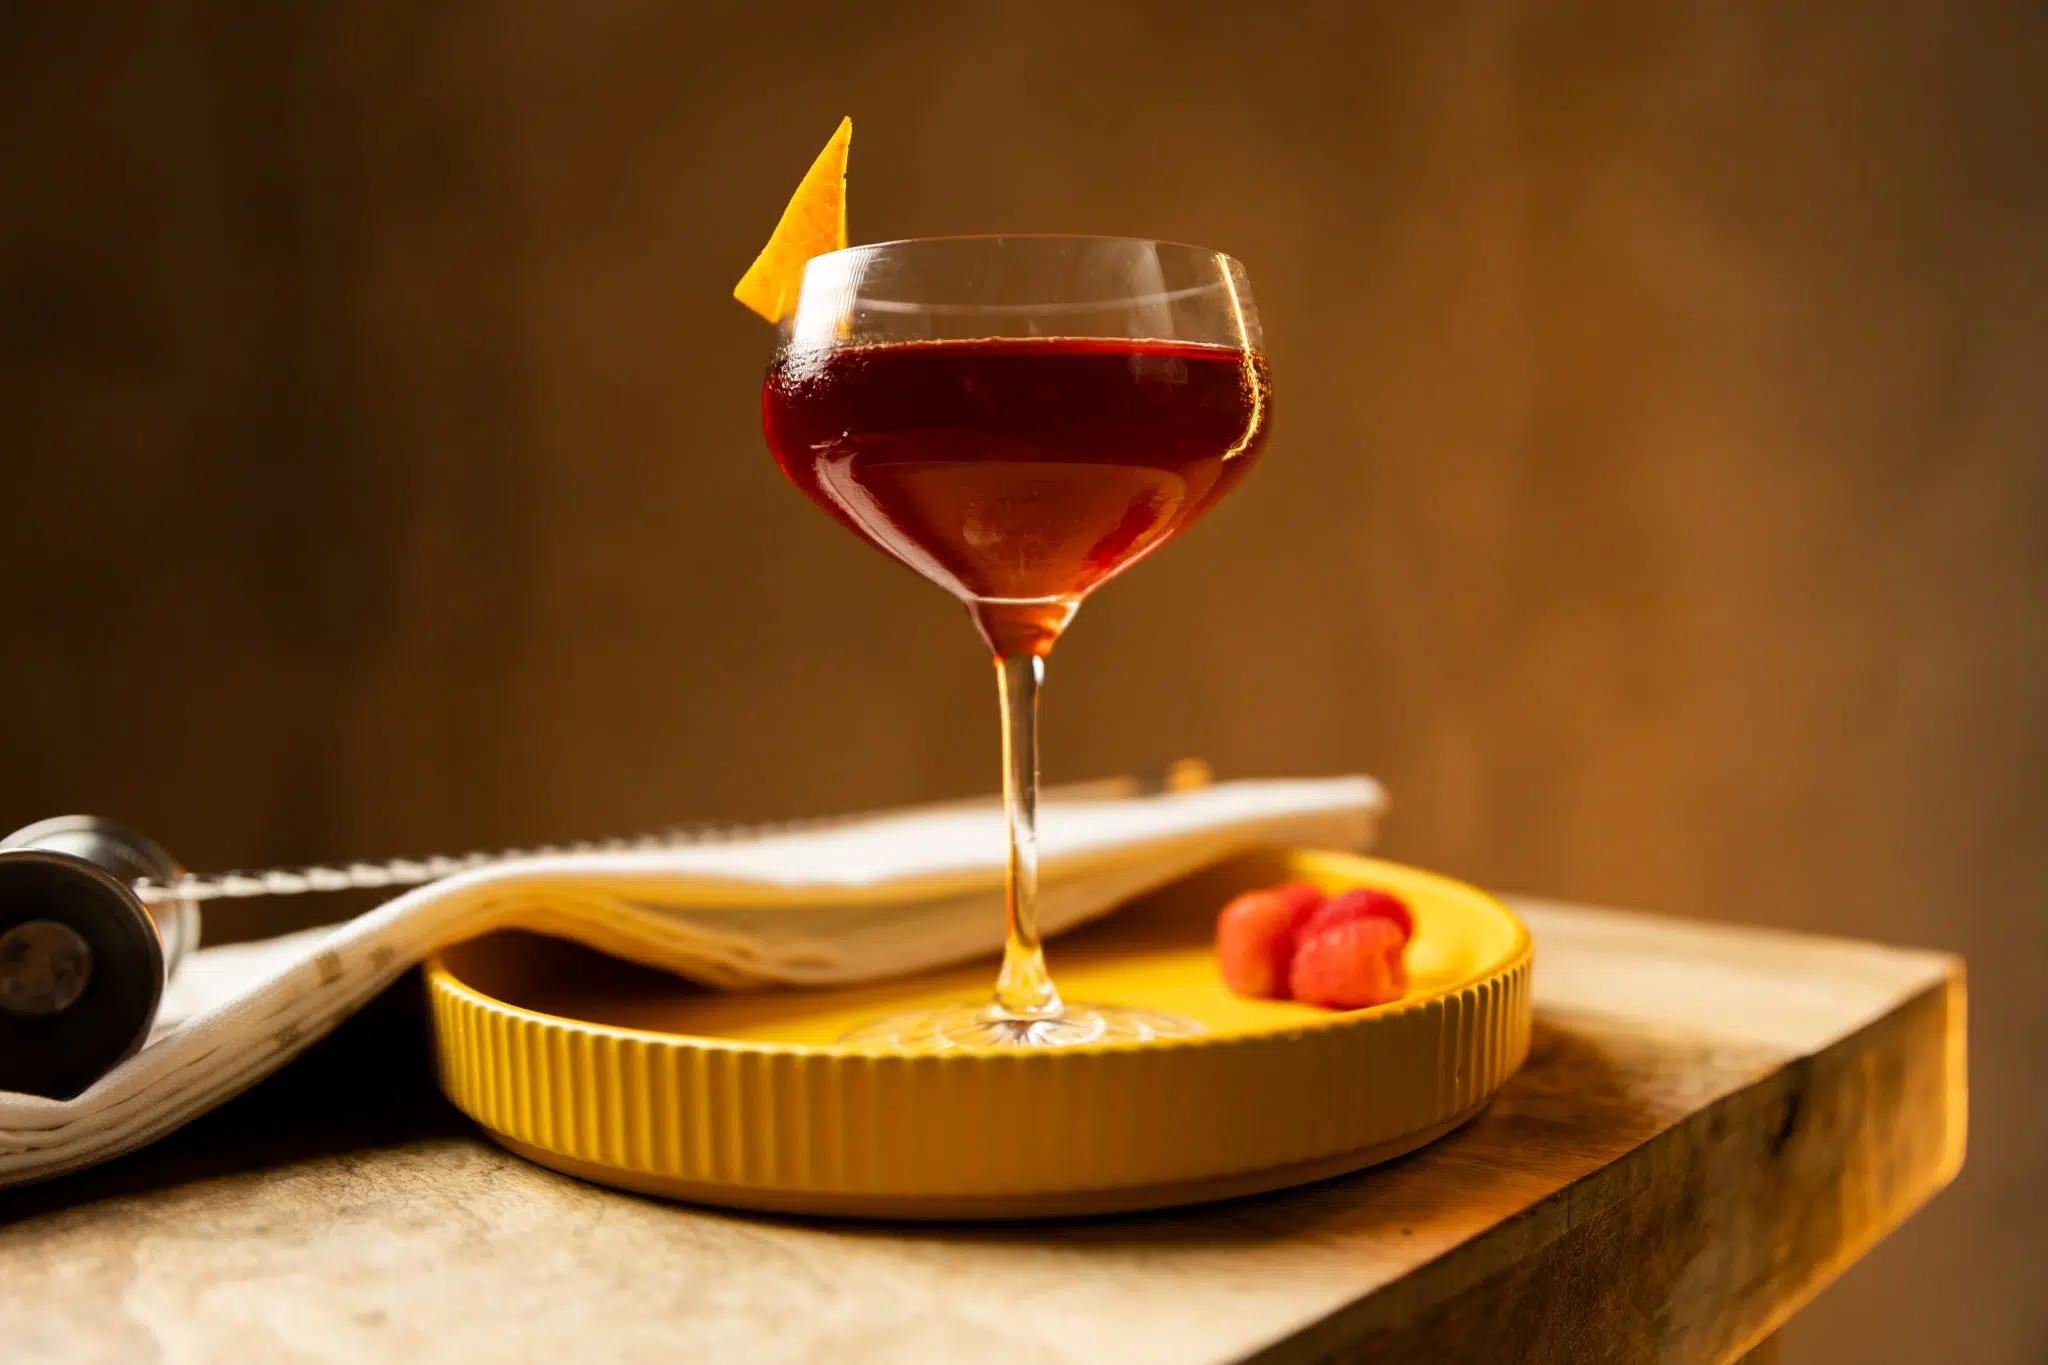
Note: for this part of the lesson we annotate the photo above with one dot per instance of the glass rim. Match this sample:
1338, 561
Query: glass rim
841, 268
1028, 237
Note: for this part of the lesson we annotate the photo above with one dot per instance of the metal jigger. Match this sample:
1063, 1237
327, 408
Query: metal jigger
83, 960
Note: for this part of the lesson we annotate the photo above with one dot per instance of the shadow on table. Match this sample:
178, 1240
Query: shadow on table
368, 1084
371, 1085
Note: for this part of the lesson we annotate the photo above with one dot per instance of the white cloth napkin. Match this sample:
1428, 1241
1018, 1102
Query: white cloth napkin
875, 898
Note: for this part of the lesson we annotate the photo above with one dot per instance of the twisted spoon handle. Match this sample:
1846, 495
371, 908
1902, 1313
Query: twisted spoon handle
1184, 775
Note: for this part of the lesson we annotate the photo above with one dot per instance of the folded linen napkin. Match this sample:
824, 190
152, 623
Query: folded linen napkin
875, 898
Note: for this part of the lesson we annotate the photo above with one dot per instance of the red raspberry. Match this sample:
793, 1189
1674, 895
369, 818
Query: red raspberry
1361, 902
1255, 937
1351, 965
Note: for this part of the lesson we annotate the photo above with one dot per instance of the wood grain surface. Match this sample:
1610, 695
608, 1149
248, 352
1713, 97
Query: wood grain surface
1714, 1123
1656, 499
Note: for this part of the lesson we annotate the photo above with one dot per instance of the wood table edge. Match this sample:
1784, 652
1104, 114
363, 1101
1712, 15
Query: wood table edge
1821, 1157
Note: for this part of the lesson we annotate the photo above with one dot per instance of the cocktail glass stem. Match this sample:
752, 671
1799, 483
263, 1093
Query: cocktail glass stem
1024, 990
1027, 1010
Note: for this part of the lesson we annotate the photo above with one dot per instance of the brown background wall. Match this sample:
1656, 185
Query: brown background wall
1659, 500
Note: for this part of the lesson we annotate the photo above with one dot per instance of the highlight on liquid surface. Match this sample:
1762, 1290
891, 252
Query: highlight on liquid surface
1018, 473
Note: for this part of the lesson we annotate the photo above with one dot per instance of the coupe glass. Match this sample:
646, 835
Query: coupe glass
1019, 419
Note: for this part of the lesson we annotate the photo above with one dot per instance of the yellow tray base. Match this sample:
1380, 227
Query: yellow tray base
635, 1078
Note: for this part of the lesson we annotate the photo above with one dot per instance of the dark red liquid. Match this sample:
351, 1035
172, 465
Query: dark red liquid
1018, 474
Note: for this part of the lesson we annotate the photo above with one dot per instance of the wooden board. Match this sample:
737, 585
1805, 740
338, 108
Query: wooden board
1714, 1122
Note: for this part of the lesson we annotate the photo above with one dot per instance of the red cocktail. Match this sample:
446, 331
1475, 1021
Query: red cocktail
1019, 419
1018, 473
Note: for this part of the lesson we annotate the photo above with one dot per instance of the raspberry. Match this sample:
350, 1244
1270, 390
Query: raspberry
1350, 965
1255, 937
1360, 902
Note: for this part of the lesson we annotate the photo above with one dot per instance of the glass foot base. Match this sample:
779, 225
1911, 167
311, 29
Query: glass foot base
980, 1028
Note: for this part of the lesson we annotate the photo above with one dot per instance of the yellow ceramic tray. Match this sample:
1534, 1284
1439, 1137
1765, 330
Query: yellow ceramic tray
634, 1078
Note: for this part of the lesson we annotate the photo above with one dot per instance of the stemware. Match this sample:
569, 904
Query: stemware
1019, 419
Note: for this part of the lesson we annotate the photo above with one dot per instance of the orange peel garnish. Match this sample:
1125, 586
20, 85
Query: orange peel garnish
813, 224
